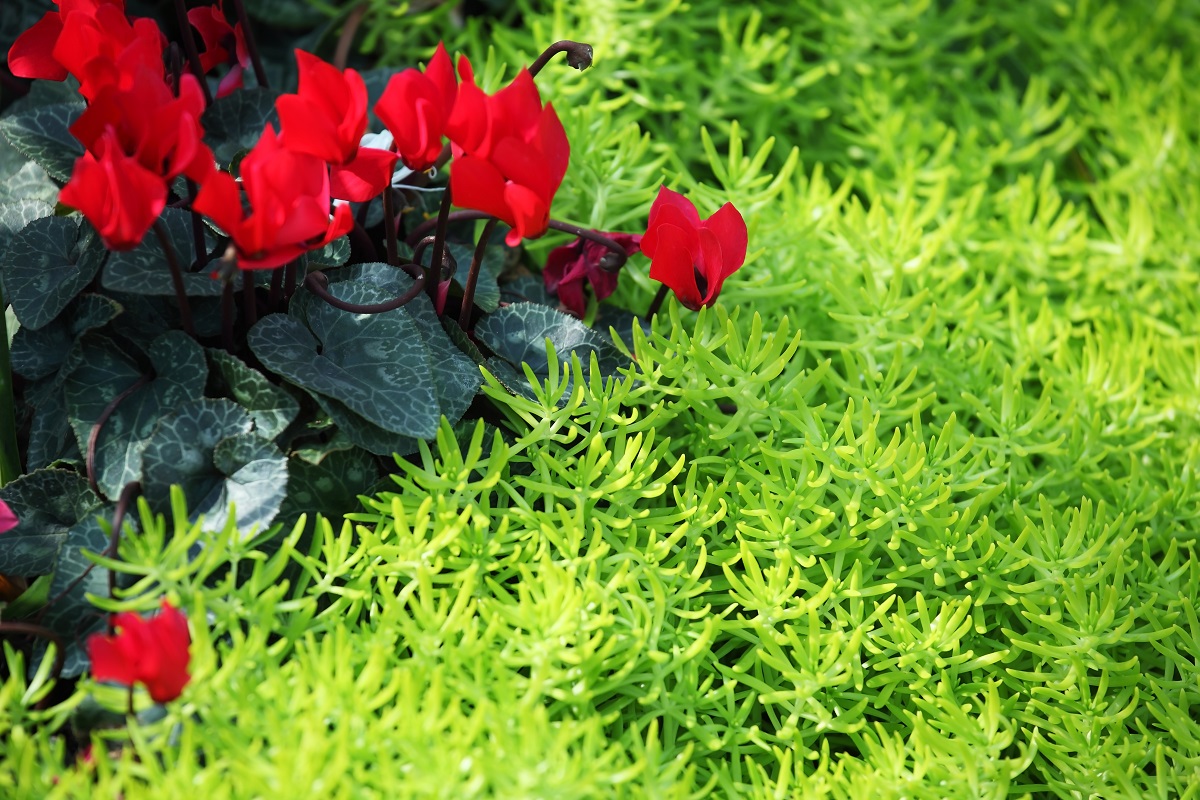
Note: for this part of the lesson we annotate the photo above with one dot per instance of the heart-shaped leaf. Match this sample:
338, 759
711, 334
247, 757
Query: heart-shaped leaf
144, 269
374, 364
28, 182
364, 434
43, 134
45, 265
272, 408
456, 379
331, 486
517, 334
208, 448
16, 214
42, 352
107, 375
47, 502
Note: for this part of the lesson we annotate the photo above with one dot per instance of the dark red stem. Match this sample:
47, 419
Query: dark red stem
579, 55
468, 301
185, 307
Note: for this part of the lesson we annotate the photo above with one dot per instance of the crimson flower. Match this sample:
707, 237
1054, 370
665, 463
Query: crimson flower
415, 108
92, 40
138, 137
289, 205
510, 153
223, 44
327, 119
567, 268
152, 652
693, 256
8, 520
119, 196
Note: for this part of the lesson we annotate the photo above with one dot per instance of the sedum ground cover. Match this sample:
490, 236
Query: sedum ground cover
910, 513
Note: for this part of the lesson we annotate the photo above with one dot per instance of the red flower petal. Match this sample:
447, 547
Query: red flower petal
730, 229
31, 54
364, 177
674, 264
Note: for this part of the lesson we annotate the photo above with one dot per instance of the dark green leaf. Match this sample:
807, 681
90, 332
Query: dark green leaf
375, 364
330, 487
234, 122
43, 134
50, 438
28, 182
455, 378
528, 289
362, 433
42, 352
69, 613
16, 214
334, 254
272, 408
47, 502
517, 333
45, 265
292, 14
208, 448
106, 371
145, 270
487, 290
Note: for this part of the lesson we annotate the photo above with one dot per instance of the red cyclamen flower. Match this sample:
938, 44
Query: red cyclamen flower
416, 106
8, 520
510, 153
92, 40
223, 44
567, 268
289, 205
152, 652
690, 255
139, 136
326, 119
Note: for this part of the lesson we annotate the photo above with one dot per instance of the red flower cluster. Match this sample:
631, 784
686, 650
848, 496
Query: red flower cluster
138, 133
510, 151
152, 652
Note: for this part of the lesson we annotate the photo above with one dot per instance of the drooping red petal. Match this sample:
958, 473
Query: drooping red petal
119, 196
219, 200
364, 177
661, 216
674, 264
730, 229
31, 55
527, 213
214, 30
475, 183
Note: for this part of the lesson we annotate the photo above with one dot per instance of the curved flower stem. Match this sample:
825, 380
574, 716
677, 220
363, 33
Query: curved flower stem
422, 230
468, 301
616, 257
292, 277
131, 490
389, 226
10, 453
197, 227
439, 245
94, 434
657, 302
342, 52
30, 629
185, 307
317, 283
189, 47
260, 74
579, 55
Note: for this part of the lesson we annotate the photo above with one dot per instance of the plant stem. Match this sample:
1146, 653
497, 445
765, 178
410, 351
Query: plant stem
189, 47
317, 283
342, 52
289, 285
131, 490
276, 293
227, 314
657, 302
185, 307
579, 55
10, 454
439, 245
249, 301
94, 434
616, 257
468, 301
251, 46
389, 226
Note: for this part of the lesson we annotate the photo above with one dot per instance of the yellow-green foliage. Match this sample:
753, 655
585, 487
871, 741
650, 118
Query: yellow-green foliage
911, 513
